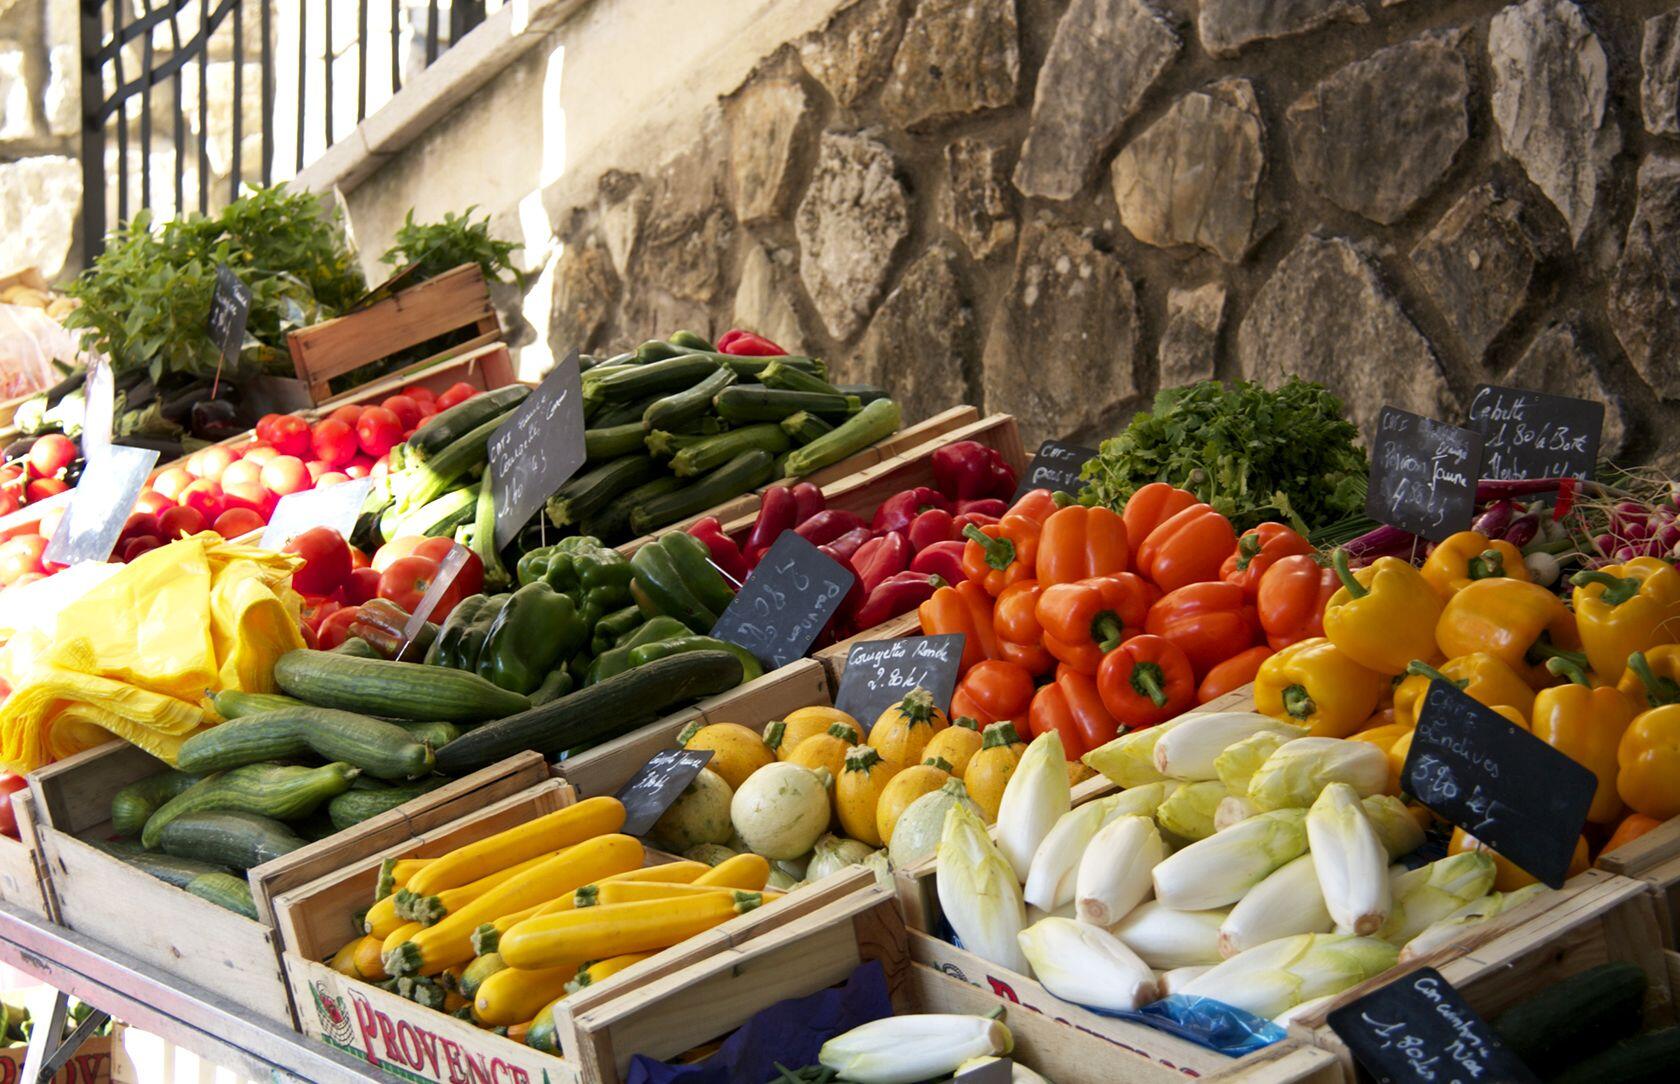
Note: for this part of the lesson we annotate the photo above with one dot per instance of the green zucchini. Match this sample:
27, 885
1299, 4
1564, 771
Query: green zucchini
224, 890
655, 378
875, 422
751, 367
804, 427
355, 806
448, 426
233, 704
612, 442
585, 494
435, 733
440, 472
1651, 1058
1575, 1016
609, 415
690, 340
866, 393
406, 690
383, 750
227, 837
793, 378
713, 452
598, 712
133, 805
436, 519
745, 472
664, 445
612, 523
680, 408
658, 350
165, 867
281, 792
745, 403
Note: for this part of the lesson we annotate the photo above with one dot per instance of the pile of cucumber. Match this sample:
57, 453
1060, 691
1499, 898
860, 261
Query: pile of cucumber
1588, 1028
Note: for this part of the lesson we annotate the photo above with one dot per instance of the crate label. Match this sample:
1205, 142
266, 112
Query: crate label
100, 504
657, 784
335, 506
1423, 474
1418, 1028
1530, 434
879, 672
448, 569
537, 448
786, 602
230, 308
1498, 782
1056, 467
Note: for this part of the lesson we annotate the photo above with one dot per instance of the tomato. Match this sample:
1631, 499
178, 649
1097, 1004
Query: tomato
361, 585
331, 478
334, 443
154, 502
181, 522
265, 426
335, 629
135, 547
390, 551
42, 488
8, 502
9, 785
357, 470
237, 521
408, 579
378, 431
472, 572
316, 468
316, 609
457, 393
405, 408
172, 481
381, 467
424, 396
137, 524
212, 461
20, 556
240, 472
250, 495
284, 475
51, 453
326, 561
349, 413
206, 496
259, 453
290, 436
31, 577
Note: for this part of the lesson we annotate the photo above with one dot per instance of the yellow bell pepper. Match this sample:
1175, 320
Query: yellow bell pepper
1648, 756
1479, 676
1384, 616
1587, 724
1652, 677
1508, 876
1520, 624
1467, 556
1312, 683
1620, 609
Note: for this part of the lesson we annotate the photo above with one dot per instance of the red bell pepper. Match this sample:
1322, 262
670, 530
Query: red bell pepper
968, 470
992, 691
1293, 594
845, 614
1146, 680
941, 559
1257, 550
808, 500
1072, 706
897, 595
1233, 673
746, 344
898, 511
828, 525
933, 525
1210, 621
724, 552
849, 543
883, 556
989, 506
979, 519
778, 511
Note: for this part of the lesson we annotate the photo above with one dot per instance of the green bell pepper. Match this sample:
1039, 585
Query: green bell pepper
537, 628
646, 653
446, 648
615, 661
471, 644
595, 576
614, 627
693, 562
660, 588
558, 683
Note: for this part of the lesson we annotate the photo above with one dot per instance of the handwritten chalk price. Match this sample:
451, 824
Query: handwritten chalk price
786, 602
537, 448
1423, 474
880, 672
1419, 1028
1530, 434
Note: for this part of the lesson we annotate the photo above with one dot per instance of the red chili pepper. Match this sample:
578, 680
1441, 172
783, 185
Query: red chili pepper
941, 559
777, 512
898, 511
897, 595
968, 470
724, 552
881, 557
809, 500
985, 506
828, 525
746, 344
847, 544
934, 525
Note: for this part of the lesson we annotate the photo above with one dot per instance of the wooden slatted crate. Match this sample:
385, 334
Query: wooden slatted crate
22, 882
1654, 858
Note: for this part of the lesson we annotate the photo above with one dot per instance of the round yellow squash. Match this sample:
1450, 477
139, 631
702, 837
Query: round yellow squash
801, 723
902, 789
956, 744
737, 751
858, 791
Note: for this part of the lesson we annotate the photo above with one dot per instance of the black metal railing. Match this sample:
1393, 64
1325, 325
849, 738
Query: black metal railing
138, 55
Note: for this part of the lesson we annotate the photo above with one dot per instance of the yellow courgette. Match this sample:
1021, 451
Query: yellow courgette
748, 872
596, 932
606, 969
512, 995
610, 892
344, 960
545, 834
430, 910
398, 936
382, 918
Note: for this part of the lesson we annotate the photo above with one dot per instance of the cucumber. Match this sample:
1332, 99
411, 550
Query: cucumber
233, 704
356, 806
875, 422
133, 805
436, 734
747, 471
804, 427
224, 890
1576, 1016
745, 403
406, 690
592, 714
612, 442
1651, 1058
655, 378
226, 837
680, 408
713, 452
381, 749
165, 867
273, 791
448, 426
585, 494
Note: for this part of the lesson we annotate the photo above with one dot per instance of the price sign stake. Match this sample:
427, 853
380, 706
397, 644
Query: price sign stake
230, 308
100, 504
448, 568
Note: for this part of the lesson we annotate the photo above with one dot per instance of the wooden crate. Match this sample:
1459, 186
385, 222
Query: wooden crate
92, 1063
455, 300
417, 1043
22, 884
1654, 858
99, 895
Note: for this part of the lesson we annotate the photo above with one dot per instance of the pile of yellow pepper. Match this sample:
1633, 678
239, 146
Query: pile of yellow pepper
1597, 678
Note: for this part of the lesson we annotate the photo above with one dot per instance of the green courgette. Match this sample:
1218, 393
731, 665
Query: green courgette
612, 523
866, 393
681, 408
608, 415
655, 378
875, 422
658, 350
1575, 1016
612, 442
134, 804
435, 519
745, 472
356, 806
751, 367
381, 749
585, 494
448, 426
405, 690
224, 890
793, 378
744, 403
441, 471
690, 340
804, 427
713, 452
280, 792
225, 837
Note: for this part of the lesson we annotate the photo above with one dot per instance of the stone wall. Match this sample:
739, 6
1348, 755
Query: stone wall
40, 104
1055, 207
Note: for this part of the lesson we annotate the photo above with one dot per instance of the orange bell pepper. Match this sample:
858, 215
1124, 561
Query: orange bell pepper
1079, 542
1146, 680
992, 691
1587, 724
1020, 638
964, 608
1072, 706
1084, 621
1258, 548
1001, 553
1466, 556
1632, 827
1037, 504
1186, 549
1149, 507
1291, 598
1210, 621
1521, 624
1233, 673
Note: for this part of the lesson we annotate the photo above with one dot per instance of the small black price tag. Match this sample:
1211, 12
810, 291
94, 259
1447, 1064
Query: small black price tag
1498, 782
879, 672
1530, 434
537, 448
1418, 1028
335, 506
100, 504
1423, 474
1056, 467
786, 602
657, 784
230, 307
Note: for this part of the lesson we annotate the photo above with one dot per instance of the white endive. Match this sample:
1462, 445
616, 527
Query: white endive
1166, 938
978, 891
1289, 1016
1141, 801
1350, 860
1424, 896
1299, 769
1129, 760
1220, 869
1277, 976
1188, 811
1114, 872
1176, 979
1189, 750
919, 1046
1286, 903
1233, 809
1018, 1073
1240, 760
1036, 795
1396, 827
1055, 865
1086, 965
1445, 931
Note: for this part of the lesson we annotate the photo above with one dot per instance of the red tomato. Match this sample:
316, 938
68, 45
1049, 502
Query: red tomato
265, 425
11, 472
326, 561
290, 436
422, 395
472, 573
206, 496
331, 478
212, 461
20, 556
134, 547
9, 784
457, 393
172, 481
51, 453
154, 502
237, 521
316, 609
137, 524
357, 470
50, 519
260, 453
334, 443
381, 467
378, 431
349, 413
248, 495
181, 522
362, 584
407, 579
285, 475
405, 408
8, 502
31, 577
42, 488
390, 551
358, 558
335, 629
240, 473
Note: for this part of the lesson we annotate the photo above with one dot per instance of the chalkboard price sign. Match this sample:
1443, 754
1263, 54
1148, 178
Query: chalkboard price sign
879, 672
657, 784
1423, 474
100, 504
1529, 434
335, 506
786, 602
537, 448
1498, 782
1419, 1029
1056, 467
230, 307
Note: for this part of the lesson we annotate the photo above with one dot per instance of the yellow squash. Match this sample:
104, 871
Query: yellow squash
826, 750
369, 958
429, 910
801, 723
544, 835
858, 791
594, 933
905, 728
482, 967
956, 744
382, 918
737, 751
512, 995
486, 937
611, 892
989, 770
748, 872
344, 960
904, 788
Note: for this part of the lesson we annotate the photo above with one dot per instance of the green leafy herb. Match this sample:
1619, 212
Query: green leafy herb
1253, 454
439, 246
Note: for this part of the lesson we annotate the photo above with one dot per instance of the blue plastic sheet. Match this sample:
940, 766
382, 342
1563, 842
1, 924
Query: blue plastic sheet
790, 1032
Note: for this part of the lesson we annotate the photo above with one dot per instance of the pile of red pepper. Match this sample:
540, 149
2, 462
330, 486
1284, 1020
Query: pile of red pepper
1092, 622
911, 547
